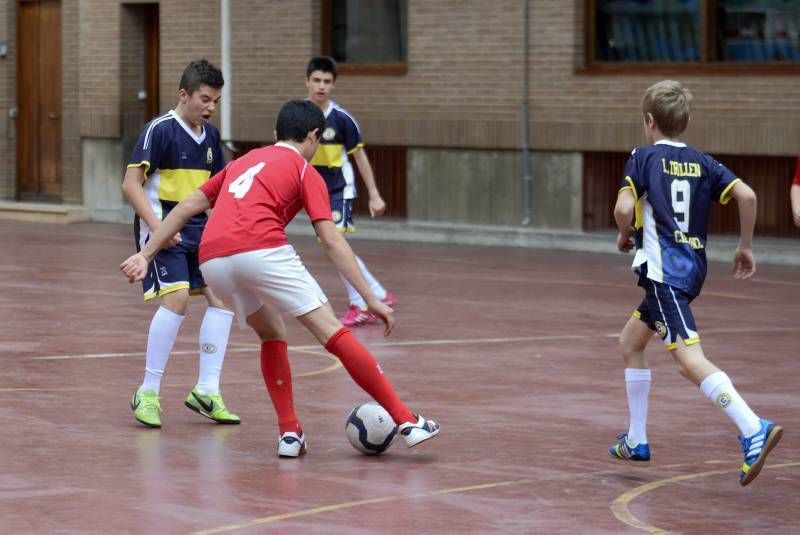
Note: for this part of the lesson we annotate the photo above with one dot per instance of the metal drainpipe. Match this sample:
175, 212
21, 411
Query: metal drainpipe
225, 49
527, 180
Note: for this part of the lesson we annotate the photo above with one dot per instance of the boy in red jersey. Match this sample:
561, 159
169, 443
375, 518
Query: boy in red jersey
247, 260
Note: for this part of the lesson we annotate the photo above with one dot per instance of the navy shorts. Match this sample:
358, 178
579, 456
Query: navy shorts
666, 311
342, 213
176, 268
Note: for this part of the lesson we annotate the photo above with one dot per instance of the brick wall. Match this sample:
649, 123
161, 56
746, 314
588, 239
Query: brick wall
464, 83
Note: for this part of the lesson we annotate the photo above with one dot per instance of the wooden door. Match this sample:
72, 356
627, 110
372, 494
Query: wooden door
39, 100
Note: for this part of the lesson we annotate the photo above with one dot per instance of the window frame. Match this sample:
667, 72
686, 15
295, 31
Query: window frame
399, 68
708, 44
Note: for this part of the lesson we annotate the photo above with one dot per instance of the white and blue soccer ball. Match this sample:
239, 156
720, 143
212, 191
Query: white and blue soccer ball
370, 428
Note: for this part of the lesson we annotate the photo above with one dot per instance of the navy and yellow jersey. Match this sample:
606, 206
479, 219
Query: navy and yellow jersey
341, 138
674, 186
176, 162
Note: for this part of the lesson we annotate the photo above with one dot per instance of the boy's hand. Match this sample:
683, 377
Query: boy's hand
744, 264
796, 215
625, 242
135, 267
376, 206
384, 312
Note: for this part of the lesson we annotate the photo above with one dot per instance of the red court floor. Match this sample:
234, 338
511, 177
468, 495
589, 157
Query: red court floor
514, 351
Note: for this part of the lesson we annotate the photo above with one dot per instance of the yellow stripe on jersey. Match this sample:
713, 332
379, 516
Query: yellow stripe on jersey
629, 180
638, 210
351, 151
143, 163
726, 194
176, 184
328, 156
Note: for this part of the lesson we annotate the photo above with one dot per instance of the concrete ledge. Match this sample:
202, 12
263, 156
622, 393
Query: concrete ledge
43, 213
783, 252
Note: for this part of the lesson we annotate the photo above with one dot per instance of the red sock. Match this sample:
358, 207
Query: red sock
278, 378
367, 373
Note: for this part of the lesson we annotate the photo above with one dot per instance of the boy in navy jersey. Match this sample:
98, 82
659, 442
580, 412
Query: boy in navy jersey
669, 188
175, 154
340, 140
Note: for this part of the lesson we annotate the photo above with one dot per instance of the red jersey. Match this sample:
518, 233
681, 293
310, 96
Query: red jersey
797, 173
256, 196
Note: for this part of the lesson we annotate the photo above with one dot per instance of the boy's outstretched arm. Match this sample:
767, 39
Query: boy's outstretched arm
341, 255
744, 264
377, 206
623, 215
135, 267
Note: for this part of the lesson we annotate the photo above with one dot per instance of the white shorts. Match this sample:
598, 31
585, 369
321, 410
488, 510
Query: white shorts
246, 281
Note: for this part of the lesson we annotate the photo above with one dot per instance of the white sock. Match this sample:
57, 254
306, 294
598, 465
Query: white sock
637, 385
374, 285
214, 332
718, 388
163, 332
352, 295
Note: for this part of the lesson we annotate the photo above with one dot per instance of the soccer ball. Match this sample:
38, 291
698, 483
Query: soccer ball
370, 429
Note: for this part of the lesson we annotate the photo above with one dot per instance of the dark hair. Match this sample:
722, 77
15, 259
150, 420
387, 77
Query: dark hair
201, 72
297, 118
321, 63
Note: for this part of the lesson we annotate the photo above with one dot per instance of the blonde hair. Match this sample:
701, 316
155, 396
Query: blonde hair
670, 105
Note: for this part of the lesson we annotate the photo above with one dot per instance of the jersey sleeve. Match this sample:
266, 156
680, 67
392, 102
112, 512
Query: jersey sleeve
797, 173
723, 181
218, 160
632, 177
213, 186
352, 135
149, 148
315, 195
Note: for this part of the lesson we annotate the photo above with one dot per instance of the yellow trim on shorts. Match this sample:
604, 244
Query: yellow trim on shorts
692, 341
636, 314
164, 291
726, 193
672, 346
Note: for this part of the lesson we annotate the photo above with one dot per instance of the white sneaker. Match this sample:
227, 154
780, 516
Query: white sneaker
414, 433
290, 445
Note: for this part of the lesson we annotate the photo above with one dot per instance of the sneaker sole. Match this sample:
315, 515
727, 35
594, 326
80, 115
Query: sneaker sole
204, 413
148, 424
303, 450
772, 440
420, 441
631, 461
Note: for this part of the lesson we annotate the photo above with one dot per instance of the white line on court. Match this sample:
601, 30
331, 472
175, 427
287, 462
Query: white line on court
445, 341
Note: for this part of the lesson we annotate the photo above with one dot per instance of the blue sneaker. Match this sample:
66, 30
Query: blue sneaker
756, 447
638, 455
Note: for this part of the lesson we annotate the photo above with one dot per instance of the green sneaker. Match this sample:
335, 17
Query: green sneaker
146, 407
211, 406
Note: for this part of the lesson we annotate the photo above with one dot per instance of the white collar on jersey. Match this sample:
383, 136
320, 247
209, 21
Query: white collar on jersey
670, 143
282, 144
197, 139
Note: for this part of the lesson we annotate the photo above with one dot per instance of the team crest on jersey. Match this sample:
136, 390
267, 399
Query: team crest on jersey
329, 134
337, 216
208, 348
209, 156
661, 329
